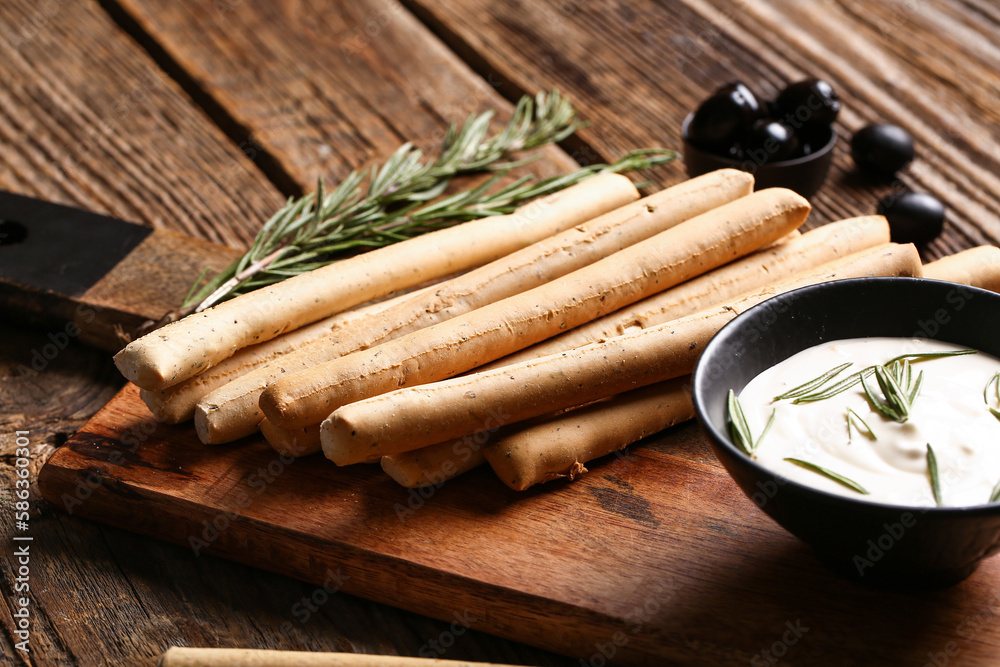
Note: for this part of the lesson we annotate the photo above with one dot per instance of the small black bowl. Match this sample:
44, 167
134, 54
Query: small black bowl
876, 543
804, 175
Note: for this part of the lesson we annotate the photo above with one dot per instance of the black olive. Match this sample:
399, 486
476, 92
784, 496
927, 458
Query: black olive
882, 149
770, 141
914, 217
742, 97
723, 118
809, 101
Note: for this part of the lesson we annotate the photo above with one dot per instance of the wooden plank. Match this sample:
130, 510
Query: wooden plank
102, 128
89, 119
661, 549
638, 69
323, 88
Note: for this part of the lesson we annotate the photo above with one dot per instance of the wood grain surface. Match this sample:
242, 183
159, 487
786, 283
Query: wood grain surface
638, 68
200, 117
654, 556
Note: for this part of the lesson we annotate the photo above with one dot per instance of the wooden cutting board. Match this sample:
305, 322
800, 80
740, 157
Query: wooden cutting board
652, 557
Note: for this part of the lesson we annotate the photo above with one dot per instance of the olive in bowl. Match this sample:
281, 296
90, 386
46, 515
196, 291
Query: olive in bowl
876, 543
805, 175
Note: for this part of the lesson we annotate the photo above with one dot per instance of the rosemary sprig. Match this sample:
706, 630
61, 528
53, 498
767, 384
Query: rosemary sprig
826, 472
739, 429
398, 201
995, 382
898, 387
932, 471
822, 393
853, 416
995, 496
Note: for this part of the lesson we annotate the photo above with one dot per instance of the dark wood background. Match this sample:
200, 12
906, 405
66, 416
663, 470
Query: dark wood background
201, 117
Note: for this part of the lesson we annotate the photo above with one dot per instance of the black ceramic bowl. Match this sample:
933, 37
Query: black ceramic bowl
881, 544
805, 175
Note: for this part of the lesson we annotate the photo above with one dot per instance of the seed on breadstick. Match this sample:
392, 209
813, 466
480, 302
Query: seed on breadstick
176, 404
414, 417
549, 448
232, 412
978, 267
454, 346
764, 267
189, 346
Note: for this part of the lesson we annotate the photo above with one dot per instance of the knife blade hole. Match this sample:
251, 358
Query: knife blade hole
12, 232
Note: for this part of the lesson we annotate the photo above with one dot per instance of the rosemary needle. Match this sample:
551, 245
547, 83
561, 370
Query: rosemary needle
995, 496
826, 472
403, 198
813, 384
739, 429
995, 381
932, 471
853, 416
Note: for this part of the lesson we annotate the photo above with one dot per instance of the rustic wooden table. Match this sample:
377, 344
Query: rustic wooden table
201, 117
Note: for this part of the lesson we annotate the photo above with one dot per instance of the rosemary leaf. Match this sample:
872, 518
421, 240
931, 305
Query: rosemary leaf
820, 393
813, 384
738, 428
995, 382
854, 416
995, 496
932, 471
398, 201
826, 472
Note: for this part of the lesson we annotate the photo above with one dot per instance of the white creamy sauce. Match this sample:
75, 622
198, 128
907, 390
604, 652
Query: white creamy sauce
949, 413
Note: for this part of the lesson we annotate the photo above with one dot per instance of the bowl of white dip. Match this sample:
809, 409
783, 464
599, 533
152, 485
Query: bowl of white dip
863, 416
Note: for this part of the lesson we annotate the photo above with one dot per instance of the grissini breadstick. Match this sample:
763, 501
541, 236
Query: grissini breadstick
189, 346
175, 404
454, 346
296, 441
978, 267
232, 412
413, 417
537, 451
178, 656
434, 465
764, 267
794, 253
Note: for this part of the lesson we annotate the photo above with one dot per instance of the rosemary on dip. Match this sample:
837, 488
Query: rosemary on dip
913, 436
404, 198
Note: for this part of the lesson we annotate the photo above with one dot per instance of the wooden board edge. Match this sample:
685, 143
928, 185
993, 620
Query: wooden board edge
83, 488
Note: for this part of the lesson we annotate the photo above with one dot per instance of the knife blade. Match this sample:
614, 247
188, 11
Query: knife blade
92, 276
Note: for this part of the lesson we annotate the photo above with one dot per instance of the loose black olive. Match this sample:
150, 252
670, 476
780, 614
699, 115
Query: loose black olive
914, 217
723, 118
809, 101
882, 149
770, 141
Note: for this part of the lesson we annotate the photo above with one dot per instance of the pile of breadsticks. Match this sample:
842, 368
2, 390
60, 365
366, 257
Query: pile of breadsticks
566, 332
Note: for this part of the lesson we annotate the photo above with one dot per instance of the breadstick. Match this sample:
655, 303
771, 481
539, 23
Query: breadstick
175, 404
177, 656
554, 447
232, 411
413, 417
436, 464
454, 346
978, 267
189, 346
296, 441
764, 267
